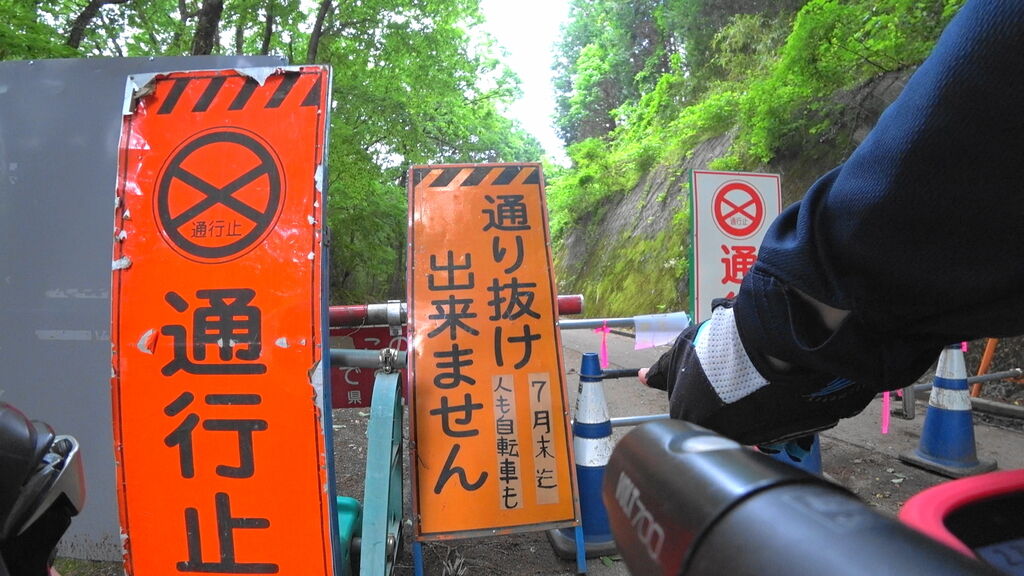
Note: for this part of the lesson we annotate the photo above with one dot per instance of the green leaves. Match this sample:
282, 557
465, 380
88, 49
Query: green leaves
765, 71
610, 51
410, 87
833, 45
25, 35
412, 84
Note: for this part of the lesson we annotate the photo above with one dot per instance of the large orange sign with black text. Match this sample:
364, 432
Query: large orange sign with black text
218, 348
492, 447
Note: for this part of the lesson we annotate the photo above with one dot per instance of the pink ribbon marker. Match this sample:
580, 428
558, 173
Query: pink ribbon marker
885, 412
603, 331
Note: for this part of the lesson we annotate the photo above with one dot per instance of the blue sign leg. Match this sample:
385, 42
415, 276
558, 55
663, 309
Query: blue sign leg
581, 551
417, 558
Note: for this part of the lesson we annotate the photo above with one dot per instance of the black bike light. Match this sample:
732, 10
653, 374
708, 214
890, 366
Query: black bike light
684, 500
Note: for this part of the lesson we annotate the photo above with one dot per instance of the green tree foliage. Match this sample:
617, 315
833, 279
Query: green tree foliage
763, 70
409, 88
610, 52
695, 26
26, 35
411, 85
766, 69
832, 45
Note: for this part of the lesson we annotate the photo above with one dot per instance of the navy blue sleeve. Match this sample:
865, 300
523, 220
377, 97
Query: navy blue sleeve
920, 234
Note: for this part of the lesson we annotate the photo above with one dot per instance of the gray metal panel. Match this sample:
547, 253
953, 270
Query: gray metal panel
60, 121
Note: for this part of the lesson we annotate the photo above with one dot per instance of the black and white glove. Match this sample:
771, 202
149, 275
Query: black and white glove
712, 381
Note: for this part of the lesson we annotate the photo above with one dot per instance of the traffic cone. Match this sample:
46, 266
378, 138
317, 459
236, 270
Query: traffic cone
803, 452
592, 443
947, 437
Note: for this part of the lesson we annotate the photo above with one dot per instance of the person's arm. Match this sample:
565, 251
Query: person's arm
915, 242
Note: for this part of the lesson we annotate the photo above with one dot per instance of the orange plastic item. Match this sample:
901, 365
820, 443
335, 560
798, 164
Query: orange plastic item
216, 324
492, 446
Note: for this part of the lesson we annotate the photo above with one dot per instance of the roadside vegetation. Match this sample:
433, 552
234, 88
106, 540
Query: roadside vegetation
413, 83
641, 83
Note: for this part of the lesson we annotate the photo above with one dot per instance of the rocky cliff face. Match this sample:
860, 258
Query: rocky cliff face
632, 256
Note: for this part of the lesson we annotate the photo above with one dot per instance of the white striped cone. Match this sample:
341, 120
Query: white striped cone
947, 437
592, 443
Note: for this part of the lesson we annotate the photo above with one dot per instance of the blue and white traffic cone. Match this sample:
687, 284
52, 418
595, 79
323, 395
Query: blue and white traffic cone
803, 452
592, 443
947, 438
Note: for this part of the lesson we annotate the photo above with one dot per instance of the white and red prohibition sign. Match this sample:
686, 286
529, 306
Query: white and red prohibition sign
738, 209
731, 213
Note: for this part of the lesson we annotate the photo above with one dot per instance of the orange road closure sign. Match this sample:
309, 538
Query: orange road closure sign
218, 375
492, 444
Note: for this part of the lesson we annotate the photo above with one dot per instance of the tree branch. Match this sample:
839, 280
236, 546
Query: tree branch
113, 34
149, 31
318, 30
85, 17
268, 29
859, 55
240, 37
184, 13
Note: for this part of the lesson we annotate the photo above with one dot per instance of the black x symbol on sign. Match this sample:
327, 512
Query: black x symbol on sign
219, 238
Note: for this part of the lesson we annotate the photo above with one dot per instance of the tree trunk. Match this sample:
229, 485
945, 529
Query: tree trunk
240, 37
206, 27
318, 30
85, 17
268, 29
396, 287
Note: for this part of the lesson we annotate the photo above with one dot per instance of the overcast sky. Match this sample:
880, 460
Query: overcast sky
528, 29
